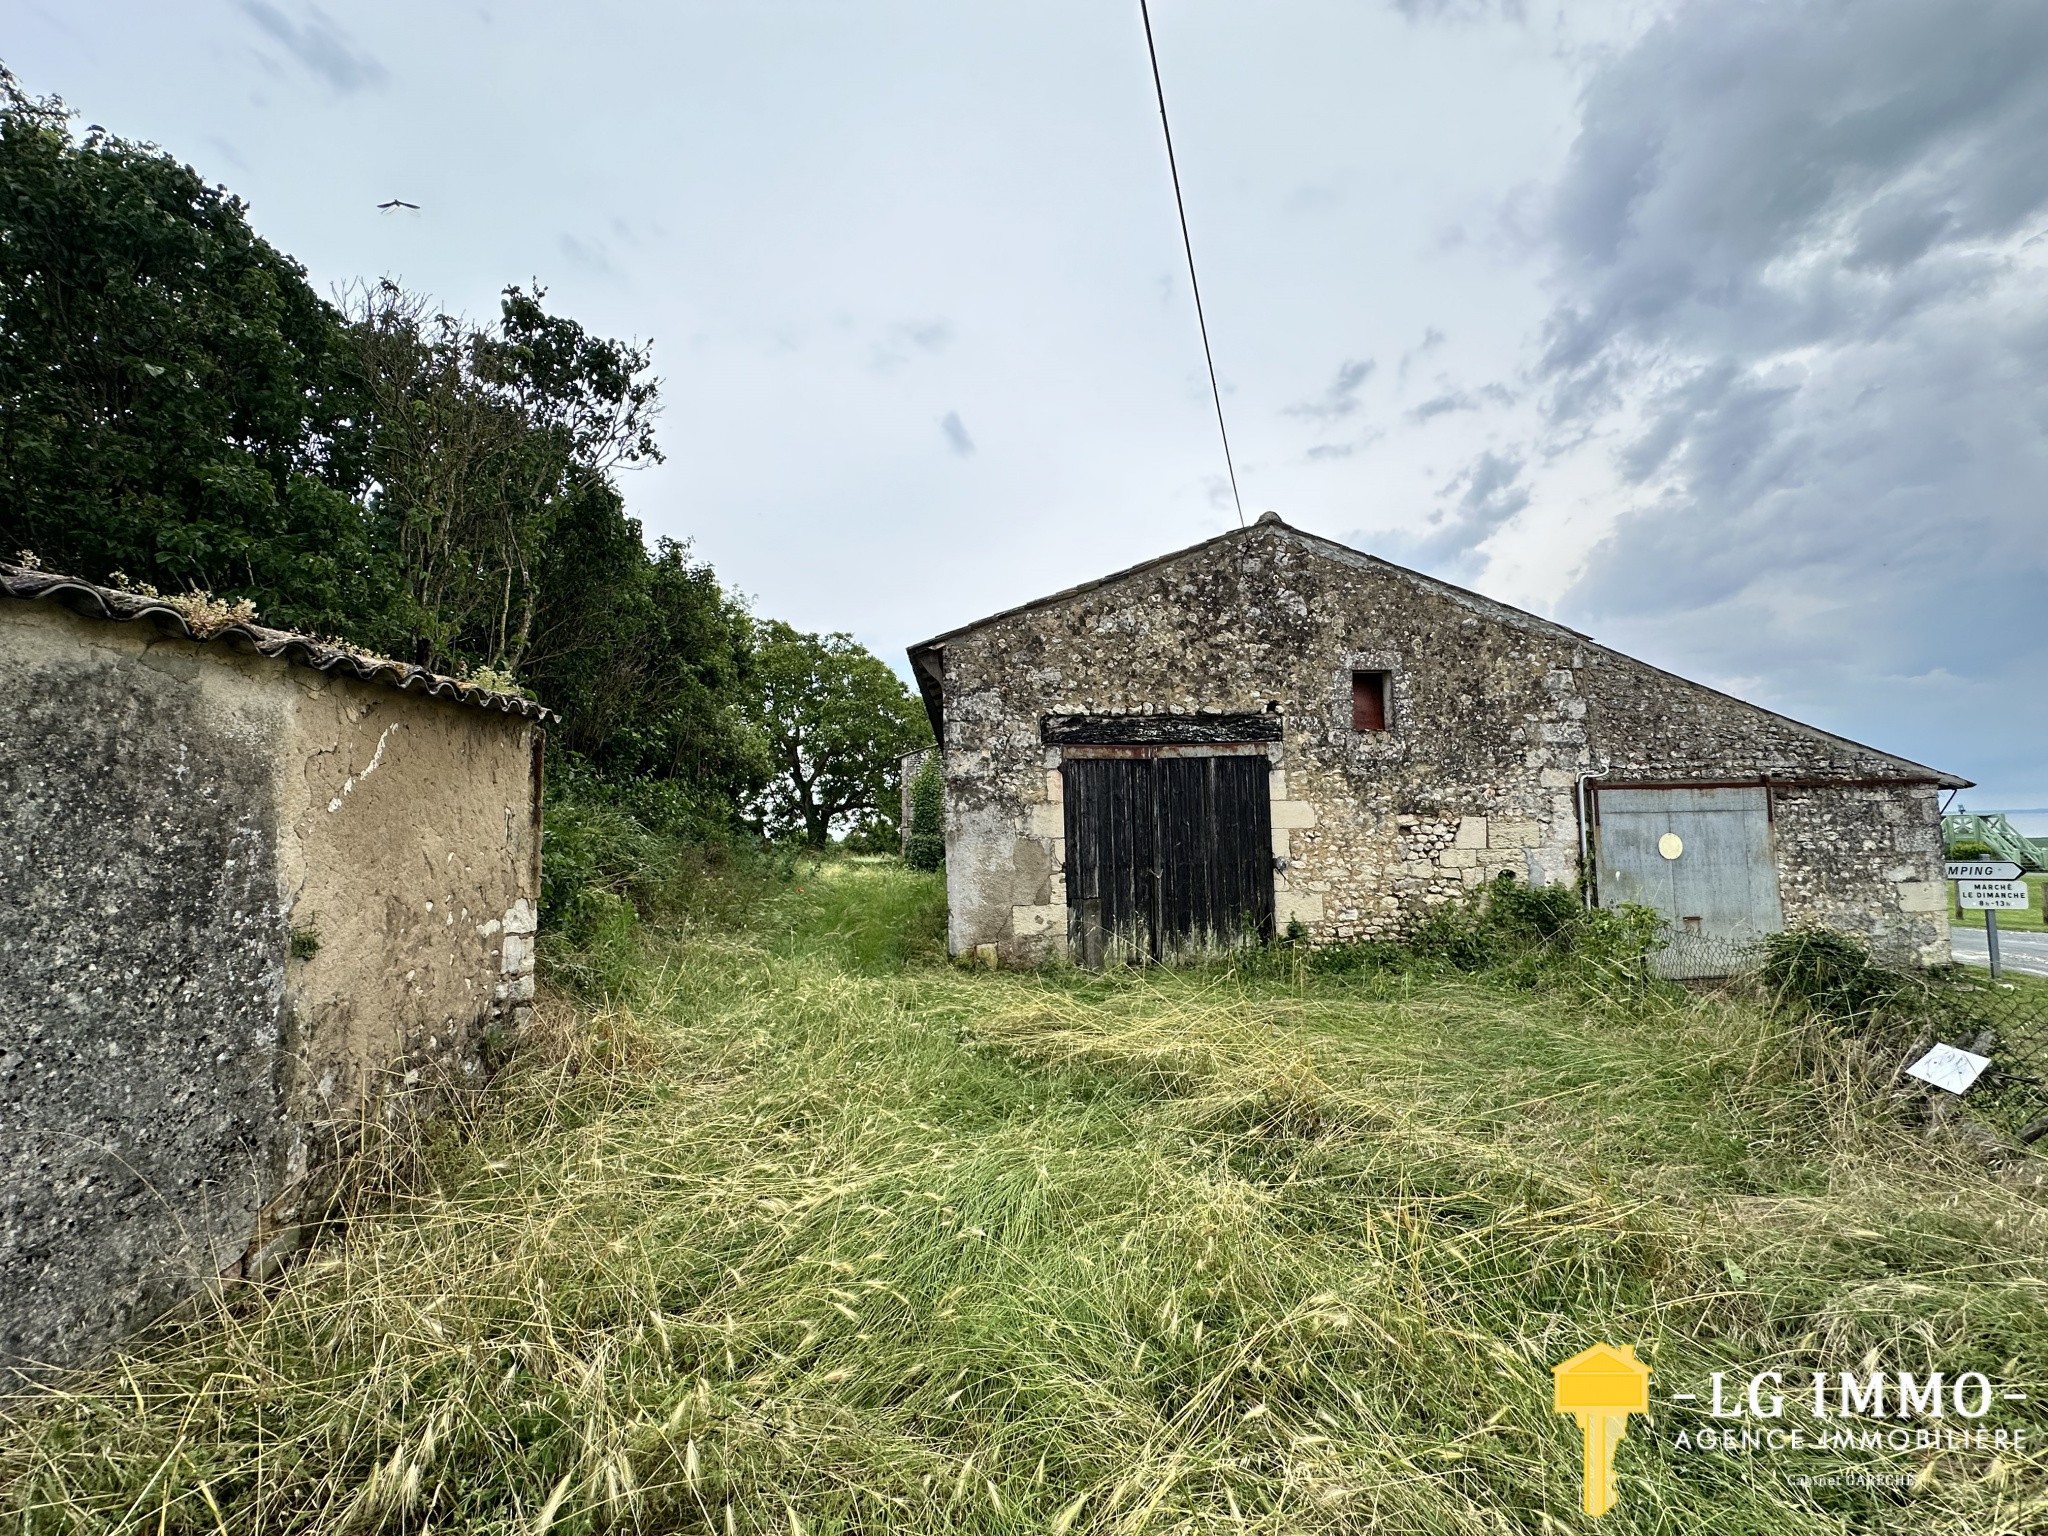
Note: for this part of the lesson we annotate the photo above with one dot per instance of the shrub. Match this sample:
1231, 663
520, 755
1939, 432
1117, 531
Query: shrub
1534, 914
592, 857
1831, 978
1523, 932
928, 816
614, 852
1818, 973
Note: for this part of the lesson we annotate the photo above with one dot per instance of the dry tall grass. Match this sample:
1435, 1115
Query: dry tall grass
804, 1231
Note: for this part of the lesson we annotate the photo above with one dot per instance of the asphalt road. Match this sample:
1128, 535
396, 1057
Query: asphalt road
2023, 952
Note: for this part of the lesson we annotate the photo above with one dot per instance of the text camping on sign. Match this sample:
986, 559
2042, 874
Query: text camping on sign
1978, 869
1991, 895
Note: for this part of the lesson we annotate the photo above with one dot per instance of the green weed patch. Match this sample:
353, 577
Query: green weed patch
795, 1227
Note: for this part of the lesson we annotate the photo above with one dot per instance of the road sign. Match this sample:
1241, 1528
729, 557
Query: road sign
1978, 869
1992, 895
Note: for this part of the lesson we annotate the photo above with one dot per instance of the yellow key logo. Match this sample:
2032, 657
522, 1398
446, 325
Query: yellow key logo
1601, 1387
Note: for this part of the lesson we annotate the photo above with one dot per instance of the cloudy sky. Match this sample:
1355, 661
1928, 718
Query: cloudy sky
1718, 330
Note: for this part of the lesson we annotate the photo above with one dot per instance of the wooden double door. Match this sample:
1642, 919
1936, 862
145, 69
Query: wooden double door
1169, 852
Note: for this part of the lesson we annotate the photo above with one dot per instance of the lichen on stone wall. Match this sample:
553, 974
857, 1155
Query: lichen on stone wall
1495, 719
141, 998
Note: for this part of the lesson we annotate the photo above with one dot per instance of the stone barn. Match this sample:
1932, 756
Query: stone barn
255, 890
1271, 732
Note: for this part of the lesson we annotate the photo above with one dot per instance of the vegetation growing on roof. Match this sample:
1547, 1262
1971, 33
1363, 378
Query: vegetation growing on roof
204, 614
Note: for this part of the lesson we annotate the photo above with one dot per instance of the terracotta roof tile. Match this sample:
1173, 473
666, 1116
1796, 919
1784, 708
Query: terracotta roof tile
95, 601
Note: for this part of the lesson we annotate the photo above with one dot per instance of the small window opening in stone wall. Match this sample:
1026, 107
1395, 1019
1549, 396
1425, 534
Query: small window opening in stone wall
1368, 701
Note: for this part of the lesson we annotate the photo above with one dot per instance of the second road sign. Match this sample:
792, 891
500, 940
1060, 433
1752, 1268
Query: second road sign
1991, 895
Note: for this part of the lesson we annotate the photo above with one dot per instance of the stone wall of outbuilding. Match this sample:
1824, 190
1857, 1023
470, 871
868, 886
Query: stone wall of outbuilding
1865, 859
1496, 716
245, 908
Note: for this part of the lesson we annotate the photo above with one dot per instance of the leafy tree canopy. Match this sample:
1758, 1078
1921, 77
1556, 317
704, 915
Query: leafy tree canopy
178, 406
835, 720
484, 444
176, 402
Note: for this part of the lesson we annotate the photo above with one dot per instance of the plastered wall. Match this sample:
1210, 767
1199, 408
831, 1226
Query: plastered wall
1495, 715
244, 905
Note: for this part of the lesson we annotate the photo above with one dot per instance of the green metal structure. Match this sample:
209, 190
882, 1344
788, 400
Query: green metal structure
2000, 836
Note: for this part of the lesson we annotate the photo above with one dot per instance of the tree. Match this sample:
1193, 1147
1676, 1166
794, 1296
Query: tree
835, 721
176, 403
497, 451
649, 661
484, 442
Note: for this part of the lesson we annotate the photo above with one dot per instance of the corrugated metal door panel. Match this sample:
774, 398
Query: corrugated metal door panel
1716, 884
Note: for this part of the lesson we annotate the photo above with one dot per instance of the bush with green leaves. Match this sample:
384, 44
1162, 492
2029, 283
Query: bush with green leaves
620, 852
176, 401
1506, 924
928, 815
178, 404
1821, 974
1832, 979
1525, 937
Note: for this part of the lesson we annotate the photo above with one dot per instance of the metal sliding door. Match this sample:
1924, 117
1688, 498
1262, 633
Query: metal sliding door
1703, 858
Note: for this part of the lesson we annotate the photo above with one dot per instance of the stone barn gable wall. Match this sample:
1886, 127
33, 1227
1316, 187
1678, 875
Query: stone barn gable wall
178, 1078
1495, 715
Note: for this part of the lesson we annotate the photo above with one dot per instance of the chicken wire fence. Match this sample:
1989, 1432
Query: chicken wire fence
2012, 1031
2004, 1022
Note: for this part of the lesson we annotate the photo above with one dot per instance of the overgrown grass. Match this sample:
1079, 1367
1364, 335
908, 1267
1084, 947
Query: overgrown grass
1830, 980
799, 1229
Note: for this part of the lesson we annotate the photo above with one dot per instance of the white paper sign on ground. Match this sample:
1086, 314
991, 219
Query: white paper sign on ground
1992, 895
1950, 1068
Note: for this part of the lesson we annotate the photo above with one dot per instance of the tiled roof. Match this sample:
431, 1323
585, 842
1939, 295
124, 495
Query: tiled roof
94, 601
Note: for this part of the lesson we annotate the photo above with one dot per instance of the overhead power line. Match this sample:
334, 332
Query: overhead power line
1188, 245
